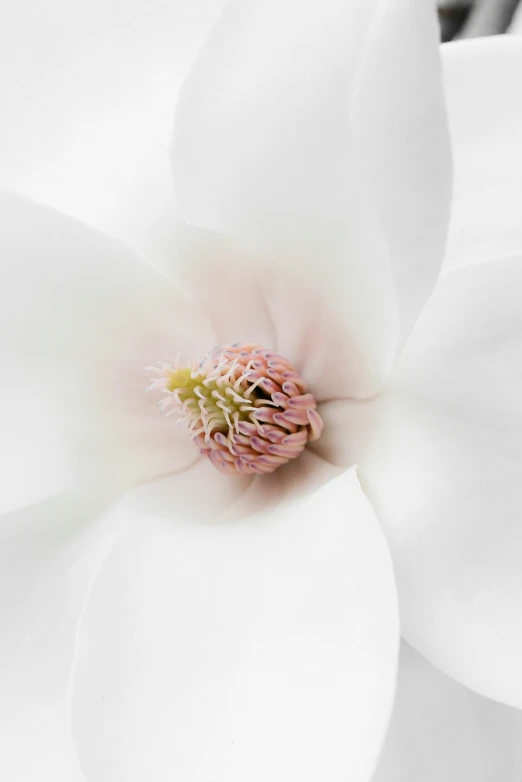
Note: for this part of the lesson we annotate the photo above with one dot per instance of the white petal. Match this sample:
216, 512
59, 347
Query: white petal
485, 114
442, 732
314, 133
238, 648
48, 557
221, 277
516, 24
81, 317
91, 88
441, 455
94, 141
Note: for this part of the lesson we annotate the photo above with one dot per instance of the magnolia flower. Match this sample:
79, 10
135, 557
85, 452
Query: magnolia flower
190, 624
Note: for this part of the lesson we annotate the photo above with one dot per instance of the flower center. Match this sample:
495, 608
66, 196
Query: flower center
246, 408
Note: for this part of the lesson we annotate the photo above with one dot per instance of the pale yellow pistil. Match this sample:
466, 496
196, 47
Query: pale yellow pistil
217, 403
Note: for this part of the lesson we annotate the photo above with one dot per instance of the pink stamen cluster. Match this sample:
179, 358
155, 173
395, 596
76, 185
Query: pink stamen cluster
248, 410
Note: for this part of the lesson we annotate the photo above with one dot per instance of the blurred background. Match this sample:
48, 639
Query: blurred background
473, 18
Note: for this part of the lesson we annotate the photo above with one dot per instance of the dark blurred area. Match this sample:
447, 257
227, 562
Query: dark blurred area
474, 18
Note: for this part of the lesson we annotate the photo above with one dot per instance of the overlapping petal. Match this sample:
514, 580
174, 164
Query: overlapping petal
49, 554
516, 25
233, 646
442, 732
81, 316
441, 454
327, 167
217, 273
319, 142
89, 89
482, 89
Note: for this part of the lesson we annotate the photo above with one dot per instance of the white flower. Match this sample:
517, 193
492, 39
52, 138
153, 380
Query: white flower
250, 632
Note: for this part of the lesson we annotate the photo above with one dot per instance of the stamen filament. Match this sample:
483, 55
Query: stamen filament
246, 408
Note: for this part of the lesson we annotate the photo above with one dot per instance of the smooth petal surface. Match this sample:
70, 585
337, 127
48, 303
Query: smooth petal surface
314, 133
233, 647
90, 134
485, 114
442, 732
217, 273
81, 316
49, 554
90, 88
441, 459
516, 24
